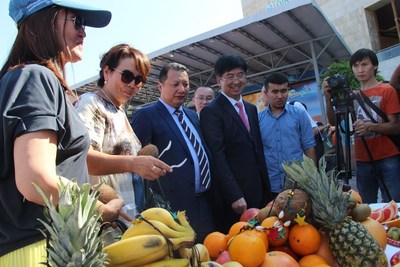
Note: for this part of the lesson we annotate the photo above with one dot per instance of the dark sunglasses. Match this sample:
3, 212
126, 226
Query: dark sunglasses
127, 77
79, 22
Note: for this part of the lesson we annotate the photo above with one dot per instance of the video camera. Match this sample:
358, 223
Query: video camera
341, 94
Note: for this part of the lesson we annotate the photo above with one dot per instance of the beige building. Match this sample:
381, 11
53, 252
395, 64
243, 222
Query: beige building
371, 24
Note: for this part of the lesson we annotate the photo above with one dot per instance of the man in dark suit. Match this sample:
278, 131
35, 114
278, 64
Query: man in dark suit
168, 121
230, 128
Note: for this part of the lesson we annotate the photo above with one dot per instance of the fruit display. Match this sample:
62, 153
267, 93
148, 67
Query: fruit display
351, 243
314, 224
154, 236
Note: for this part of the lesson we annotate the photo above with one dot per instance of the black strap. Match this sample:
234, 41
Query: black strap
383, 116
373, 106
394, 138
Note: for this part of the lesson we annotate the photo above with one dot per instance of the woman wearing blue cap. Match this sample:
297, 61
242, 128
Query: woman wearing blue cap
42, 138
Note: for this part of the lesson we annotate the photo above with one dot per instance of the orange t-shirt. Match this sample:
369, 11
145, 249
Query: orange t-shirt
384, 97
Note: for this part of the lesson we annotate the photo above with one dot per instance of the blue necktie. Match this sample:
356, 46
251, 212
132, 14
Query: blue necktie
203, 162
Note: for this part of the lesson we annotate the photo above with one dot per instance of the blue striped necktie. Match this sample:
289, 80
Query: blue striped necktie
203, 162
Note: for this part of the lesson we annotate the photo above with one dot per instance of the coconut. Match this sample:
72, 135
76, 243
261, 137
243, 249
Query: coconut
149, 150
292, 202
106, 193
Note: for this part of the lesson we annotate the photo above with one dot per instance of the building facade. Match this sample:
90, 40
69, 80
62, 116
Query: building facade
371, 24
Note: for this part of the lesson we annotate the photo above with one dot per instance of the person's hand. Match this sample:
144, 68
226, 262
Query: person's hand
112, 210
150, 168
239, 206
360, 127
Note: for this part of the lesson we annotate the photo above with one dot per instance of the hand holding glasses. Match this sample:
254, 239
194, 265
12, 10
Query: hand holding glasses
165, 150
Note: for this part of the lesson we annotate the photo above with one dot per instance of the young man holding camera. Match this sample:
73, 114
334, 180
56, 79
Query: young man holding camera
377, 158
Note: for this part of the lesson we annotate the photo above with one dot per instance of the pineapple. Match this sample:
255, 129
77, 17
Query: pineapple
351, 243
72, 229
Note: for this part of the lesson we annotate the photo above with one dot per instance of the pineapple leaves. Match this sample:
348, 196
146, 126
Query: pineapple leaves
72, 227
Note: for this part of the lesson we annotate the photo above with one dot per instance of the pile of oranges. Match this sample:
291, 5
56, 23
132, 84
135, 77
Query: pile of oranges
273, 242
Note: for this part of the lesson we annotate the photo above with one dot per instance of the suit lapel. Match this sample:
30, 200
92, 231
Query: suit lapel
227, 106
171, 124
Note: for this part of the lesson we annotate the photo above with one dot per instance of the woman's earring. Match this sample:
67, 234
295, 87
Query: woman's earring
105, 82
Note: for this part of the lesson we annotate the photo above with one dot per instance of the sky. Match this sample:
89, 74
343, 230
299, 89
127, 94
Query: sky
148, 25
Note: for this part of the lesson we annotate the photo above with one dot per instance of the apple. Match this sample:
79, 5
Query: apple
287, 250
249, 214
223, 257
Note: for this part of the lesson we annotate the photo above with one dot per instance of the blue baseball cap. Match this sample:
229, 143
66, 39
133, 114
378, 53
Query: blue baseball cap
19, 10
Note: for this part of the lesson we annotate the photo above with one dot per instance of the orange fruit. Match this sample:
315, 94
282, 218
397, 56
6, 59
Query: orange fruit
260, 234
236, 228
247, 249
269, 221
276, 239
356, 195
278, 259
304, 239
377, 231
325, 251
311, 260
215, 242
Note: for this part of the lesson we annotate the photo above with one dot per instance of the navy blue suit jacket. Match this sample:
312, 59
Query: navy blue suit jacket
154, 125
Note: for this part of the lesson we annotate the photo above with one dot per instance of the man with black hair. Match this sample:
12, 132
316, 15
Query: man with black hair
230, 128
377, 158
286, 130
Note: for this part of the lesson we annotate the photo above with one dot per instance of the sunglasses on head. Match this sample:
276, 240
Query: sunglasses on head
127, 77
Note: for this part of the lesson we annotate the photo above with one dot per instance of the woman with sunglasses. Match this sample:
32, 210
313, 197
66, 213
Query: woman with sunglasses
114, 145
43, 139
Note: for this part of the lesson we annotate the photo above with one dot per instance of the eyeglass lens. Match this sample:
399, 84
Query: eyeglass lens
127, 77
239, 76
79, 23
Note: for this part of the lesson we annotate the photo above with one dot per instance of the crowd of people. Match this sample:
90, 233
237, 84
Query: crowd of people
217, 161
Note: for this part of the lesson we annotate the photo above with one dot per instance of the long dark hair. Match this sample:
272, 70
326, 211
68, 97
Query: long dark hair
37, 42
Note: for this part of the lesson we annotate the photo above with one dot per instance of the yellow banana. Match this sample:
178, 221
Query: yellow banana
210, 264
141, 227
202, 252
157, 256
181, 216
164, 216
169, 263
232, 264
137, 250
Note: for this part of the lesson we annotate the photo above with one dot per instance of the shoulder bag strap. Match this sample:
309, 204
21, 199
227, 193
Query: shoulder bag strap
362, 102
374, 107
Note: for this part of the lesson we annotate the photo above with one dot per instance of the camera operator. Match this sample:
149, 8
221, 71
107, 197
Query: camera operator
377, 158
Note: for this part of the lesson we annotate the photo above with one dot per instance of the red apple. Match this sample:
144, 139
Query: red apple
223, 257
287, 250
249, 214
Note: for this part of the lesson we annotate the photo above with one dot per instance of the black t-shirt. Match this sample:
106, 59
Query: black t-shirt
32, 99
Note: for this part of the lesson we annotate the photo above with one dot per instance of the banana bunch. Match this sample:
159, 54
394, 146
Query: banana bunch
159, 221
151, 239
137, 250
196, 254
